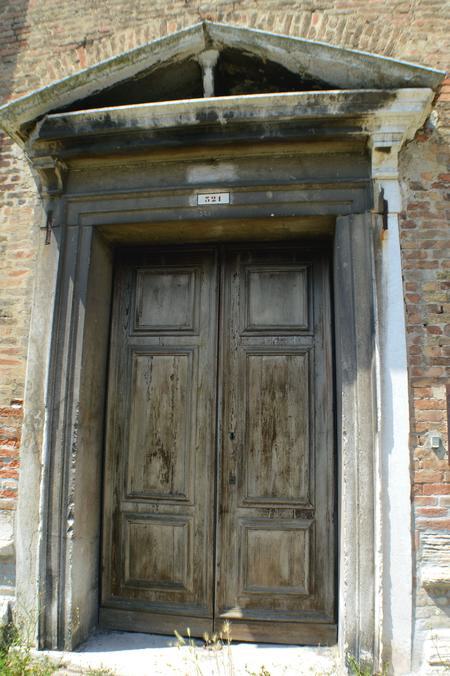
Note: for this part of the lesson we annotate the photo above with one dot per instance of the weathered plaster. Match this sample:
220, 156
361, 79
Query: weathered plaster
394, 471
395, 455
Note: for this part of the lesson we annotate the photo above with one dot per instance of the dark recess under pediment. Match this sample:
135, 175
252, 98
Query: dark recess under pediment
244, 73
235, 73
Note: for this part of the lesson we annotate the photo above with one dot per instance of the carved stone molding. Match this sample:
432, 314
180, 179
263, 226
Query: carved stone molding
51, 175
385, 148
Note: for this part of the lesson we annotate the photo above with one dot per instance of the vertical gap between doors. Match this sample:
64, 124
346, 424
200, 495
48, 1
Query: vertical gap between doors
220, 265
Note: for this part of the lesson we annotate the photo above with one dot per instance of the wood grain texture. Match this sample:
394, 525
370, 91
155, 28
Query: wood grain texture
357, 427
166, 299
160, 424
276, 465
276, 298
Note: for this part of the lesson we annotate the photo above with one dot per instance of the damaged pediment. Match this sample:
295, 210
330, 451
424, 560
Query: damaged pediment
213, 60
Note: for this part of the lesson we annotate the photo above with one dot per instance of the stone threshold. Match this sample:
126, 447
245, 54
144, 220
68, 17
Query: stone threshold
134, 654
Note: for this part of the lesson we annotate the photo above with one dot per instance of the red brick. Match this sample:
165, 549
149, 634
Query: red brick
434, 462
431, 511
430, 404
423, 476
436, 489
420, 500
435, 524
431, 416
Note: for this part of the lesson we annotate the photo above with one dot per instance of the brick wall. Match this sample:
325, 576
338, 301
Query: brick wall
425, 243
42, 40
10, 428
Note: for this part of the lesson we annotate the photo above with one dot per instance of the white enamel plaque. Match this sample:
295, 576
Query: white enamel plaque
213, 198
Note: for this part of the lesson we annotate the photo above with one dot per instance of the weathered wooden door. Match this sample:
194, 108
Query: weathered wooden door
219, 479
160, 447
275, 578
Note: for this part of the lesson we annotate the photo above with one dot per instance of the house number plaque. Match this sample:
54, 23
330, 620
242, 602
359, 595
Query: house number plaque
213, 198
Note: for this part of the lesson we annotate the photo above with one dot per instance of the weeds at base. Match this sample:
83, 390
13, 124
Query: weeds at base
219, 644
357, 669
16, 658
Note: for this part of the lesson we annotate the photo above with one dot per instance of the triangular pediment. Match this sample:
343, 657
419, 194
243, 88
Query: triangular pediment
210, 59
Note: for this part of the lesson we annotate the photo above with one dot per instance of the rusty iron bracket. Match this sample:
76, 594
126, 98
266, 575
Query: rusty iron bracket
49, 227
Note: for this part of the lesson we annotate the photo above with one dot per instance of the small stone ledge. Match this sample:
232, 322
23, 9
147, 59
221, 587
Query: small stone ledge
7, 602
436, 578
435, 568
7, 550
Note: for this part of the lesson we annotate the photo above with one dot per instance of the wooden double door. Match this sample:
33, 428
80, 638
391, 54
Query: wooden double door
220, 473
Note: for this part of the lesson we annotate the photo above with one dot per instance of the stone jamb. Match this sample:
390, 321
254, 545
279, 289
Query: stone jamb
355, 331
394, 475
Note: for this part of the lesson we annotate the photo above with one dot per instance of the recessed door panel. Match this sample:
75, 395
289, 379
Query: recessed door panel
286, 571
166, 299
276, 297
162, 424
277, 420
158, 552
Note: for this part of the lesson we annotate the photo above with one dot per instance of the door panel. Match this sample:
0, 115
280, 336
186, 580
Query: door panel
159, 507
276, 434
276, 502
159, 437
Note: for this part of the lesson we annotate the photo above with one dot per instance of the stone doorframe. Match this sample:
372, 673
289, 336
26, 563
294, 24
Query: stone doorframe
59, 504
59, 489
